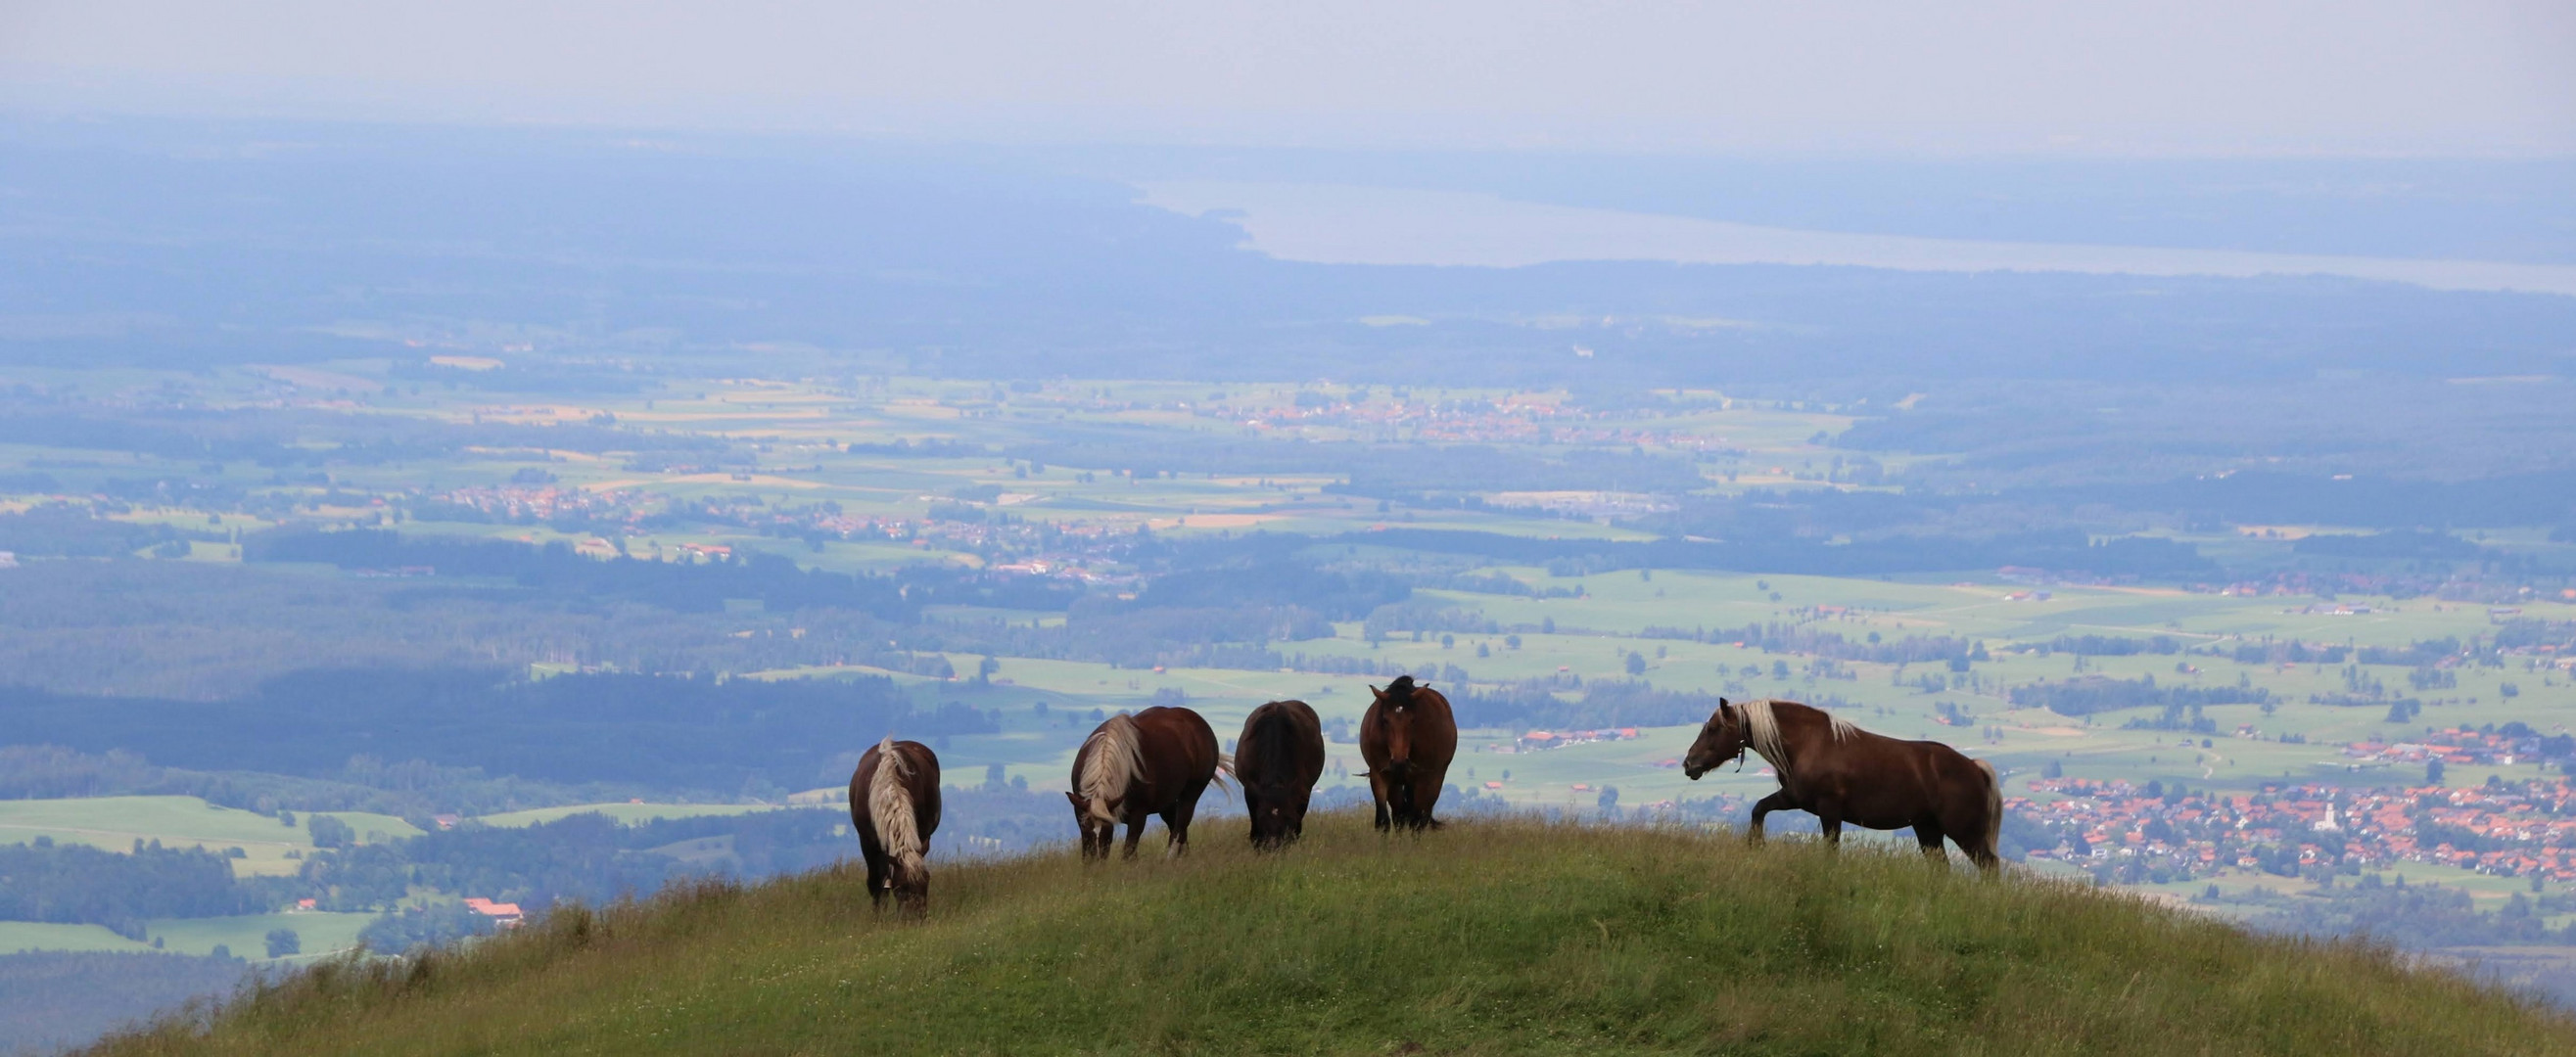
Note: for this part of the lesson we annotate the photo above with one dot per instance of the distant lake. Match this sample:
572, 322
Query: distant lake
1343, 224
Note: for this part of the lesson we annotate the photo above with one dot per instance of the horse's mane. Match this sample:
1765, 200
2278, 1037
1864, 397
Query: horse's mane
1762, 731
1400, 692
1116, 759
890, 807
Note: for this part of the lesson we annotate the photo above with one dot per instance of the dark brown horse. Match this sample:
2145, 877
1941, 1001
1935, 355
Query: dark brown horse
894, 804
1278, 759
1407, 738
1841, 773
1155, 762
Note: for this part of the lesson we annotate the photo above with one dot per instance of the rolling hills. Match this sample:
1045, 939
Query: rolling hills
1491, 936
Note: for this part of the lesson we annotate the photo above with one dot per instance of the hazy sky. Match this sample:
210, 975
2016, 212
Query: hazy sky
2177, 76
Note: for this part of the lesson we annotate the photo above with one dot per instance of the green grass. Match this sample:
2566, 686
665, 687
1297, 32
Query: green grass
1489, 937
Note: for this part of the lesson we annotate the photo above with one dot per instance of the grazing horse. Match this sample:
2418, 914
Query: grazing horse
1841, 773
1407, 738
894, 804
1278, 759
1155, 762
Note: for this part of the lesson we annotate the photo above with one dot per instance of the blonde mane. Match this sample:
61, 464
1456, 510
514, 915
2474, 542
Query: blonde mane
1116, 758
890, 808
1762, 731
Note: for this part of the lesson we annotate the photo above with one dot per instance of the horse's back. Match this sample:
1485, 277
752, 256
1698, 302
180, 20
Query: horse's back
922, 783
1182, 726
1889, 783
1435, 733
919, 778
1946, 761
1282, 742
863, 780
1177, 744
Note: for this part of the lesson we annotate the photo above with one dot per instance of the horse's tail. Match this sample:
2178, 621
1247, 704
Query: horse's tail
1225, 778
1117, 757
890, 808
1994, 808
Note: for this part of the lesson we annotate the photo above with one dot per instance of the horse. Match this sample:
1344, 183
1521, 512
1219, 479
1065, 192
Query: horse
1841, 773
1154, 762
894, 804
1407, 738
1277, 760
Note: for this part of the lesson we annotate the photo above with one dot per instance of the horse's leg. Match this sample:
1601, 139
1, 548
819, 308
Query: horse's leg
1983, 854
1969, 834
1135, 832
1778, 801
1831, 822
1177, 820
1988, 861
1427, 785
1377, 792
878, 868
1929, 836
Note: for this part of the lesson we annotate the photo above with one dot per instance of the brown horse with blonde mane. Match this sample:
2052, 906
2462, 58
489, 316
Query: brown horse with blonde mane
1278, 760
894, 804
1843, 774
1155, 762
1407, 738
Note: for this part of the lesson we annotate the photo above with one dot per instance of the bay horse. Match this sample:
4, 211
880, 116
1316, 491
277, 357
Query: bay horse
1155, 762
1841, 773
894, 804
1277, 761
1407, 738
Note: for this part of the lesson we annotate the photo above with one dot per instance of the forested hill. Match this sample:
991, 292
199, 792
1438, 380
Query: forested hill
1489, 936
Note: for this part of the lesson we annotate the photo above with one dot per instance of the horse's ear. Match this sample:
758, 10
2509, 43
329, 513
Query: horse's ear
1075, 799
1377, 692
1725, 711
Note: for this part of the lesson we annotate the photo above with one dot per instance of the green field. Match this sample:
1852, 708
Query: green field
799, 432
322, 934
17, 937
117, 822
1485, 938
1597, 632
626, 814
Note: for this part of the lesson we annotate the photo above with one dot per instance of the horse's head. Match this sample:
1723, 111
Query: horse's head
1722, 738
1395, 712
909, 881
1278, 814
1099, 823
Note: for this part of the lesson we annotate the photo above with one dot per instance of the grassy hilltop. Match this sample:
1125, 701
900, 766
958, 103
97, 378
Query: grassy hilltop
1488, 937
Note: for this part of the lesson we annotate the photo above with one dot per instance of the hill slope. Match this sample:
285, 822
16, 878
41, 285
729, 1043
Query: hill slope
1488, 937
